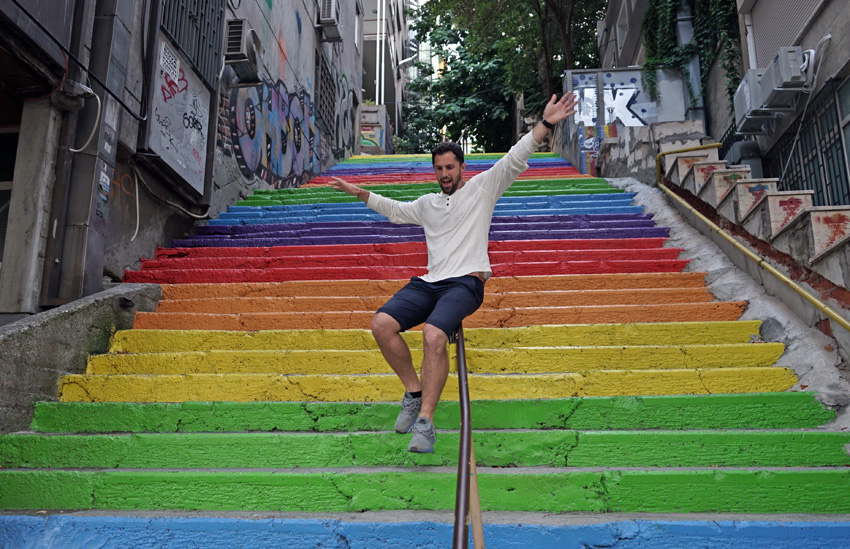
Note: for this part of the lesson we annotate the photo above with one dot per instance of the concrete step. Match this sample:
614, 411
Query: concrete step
390, 530
789, 410
494, 301
281, 274
339, 257
385, 387
324, 236
511, 317
387, 287
516, 360
552, 448
678, 333
695, 490
409, 247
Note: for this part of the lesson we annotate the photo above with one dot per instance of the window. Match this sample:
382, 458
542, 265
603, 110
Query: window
358, 24
196, 25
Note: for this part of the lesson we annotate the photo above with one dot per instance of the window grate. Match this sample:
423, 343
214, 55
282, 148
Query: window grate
197, 27
818, 159
327, 95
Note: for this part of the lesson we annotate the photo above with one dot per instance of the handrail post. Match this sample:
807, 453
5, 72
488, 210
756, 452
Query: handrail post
461, 531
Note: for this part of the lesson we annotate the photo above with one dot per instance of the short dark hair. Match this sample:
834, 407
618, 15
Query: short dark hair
446, 147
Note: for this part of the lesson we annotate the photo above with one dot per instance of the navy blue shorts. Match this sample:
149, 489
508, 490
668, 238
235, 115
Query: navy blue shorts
443, 304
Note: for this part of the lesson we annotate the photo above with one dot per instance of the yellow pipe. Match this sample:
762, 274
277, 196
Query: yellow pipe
760, 261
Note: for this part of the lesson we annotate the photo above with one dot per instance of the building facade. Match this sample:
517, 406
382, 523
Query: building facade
124, 122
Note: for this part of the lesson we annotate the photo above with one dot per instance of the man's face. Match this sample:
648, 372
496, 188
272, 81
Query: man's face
448, 171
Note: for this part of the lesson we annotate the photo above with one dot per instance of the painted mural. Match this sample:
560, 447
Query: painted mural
624, 99
274, 135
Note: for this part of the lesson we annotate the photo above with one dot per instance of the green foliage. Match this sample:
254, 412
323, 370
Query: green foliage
494, 51
715, 33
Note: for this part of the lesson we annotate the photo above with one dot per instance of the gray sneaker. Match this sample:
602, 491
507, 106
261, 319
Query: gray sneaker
423, 437
409, 412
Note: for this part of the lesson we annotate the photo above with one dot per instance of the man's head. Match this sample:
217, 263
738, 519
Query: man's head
447, 159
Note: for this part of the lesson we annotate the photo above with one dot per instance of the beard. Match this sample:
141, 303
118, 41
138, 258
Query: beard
449, 185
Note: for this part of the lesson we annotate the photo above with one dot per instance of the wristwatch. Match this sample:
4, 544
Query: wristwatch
547, 124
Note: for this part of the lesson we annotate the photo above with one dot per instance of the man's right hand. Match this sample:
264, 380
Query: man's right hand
346, 187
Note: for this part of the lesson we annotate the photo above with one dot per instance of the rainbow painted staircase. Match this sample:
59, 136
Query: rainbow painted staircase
604, 377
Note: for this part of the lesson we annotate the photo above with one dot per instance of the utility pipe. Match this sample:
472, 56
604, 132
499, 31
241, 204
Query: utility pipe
760, 261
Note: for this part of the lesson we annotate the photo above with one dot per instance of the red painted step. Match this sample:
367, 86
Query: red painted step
194, 276
410, 247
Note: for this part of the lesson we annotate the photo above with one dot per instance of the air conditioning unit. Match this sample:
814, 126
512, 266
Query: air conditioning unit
748, 118
329, 20
243, 51
783, 80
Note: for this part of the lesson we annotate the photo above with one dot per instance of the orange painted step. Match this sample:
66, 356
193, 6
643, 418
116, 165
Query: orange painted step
388, 287
572, 298
483, 318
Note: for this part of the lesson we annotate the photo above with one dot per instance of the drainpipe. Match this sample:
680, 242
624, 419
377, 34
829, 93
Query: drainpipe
685, 35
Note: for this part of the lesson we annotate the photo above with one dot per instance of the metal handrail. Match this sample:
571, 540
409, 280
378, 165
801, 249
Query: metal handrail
461, 531
759, 260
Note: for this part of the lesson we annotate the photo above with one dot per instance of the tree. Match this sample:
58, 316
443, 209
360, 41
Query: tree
467, 97
495, 51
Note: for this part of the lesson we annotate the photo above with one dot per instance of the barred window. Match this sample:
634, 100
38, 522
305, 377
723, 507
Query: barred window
196, 27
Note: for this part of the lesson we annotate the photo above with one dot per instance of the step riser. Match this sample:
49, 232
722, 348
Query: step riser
492, 449
403, 260
742, 411
177, 276
492, 301
409, 247
479, 361
218, 532
610, 491
385, 388
298, 239
389, 287
685, 333
483, 318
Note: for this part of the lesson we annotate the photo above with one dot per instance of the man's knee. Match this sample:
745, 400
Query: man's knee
434, 339
384, 325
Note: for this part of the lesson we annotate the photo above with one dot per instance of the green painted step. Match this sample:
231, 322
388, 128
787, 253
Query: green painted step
388, 449
738, 411
527, 184
661, 333
339, 198
716, 490
517, 360
380, 159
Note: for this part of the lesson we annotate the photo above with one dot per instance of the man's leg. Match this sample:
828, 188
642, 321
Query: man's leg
386, 331
435, 368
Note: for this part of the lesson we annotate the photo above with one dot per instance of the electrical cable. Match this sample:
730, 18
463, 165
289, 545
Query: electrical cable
78, 62
57, 88
816, 61
164, 201
138, 215
94, 128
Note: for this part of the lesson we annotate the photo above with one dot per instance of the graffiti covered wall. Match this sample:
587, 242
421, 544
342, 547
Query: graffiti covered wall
272, 131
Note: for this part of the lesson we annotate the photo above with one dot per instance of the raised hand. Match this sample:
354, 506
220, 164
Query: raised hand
557, 110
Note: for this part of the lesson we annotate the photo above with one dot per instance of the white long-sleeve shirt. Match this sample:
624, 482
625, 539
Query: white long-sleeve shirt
457, 226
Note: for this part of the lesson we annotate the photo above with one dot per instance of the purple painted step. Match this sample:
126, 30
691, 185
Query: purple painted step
567, 234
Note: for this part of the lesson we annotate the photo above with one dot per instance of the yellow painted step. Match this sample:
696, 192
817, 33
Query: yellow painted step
484, 361
662, 333
387, 387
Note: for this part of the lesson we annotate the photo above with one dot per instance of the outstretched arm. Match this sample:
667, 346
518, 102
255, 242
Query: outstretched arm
353, 190
554, 112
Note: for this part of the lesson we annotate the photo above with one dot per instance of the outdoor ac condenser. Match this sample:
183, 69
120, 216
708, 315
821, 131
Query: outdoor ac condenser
783, 79
243, 51
748, 118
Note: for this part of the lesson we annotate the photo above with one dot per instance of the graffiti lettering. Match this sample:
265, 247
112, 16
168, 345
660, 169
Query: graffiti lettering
171, 88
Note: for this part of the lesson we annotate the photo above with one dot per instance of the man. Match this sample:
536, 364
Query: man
457, 225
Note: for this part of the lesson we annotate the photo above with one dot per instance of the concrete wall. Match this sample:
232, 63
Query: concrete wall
376, 131
36, 351
266, 136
